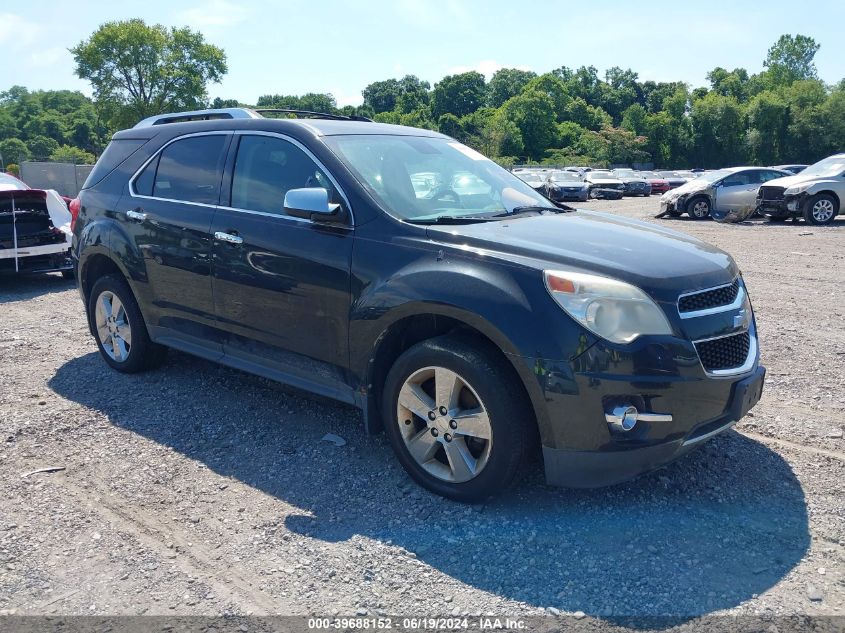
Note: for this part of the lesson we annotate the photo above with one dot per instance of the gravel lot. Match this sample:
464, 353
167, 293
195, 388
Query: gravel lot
196, 489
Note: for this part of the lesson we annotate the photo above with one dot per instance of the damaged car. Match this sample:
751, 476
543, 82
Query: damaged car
726, 195
635, 183
567, 185
35, 229
604, 184
815, 194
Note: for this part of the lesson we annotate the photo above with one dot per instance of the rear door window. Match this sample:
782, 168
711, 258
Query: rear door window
188, 170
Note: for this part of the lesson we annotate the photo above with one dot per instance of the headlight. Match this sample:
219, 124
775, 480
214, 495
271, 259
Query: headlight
610, 308
796, 189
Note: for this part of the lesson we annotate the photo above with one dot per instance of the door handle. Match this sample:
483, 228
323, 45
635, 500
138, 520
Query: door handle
136, 215
228, 237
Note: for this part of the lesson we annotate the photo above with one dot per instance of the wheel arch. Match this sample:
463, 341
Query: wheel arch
432, 321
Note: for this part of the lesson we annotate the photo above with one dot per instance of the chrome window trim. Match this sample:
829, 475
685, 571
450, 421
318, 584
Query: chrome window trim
746, 367
156, 154
734, 305
284, 137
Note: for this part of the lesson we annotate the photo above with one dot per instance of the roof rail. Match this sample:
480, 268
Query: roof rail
238, 113
313, 115
199, 115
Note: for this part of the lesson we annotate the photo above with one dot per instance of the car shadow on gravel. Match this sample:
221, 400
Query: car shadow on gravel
725, 523
15, 288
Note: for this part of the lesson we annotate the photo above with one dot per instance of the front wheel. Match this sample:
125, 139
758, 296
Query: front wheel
453, 420
821, 209
699, 208
119, 329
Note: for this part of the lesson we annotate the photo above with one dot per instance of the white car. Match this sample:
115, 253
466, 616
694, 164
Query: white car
35, 229
604, 184
816, 193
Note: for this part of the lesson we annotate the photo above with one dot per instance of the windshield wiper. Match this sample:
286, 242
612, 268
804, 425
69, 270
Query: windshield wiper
454, 219
534, 208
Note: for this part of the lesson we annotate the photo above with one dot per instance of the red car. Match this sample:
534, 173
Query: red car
658, 183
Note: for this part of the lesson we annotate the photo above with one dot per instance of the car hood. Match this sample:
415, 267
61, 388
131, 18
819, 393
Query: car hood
689, 186
632, 179
604, 181
797, 179
661, 261
571, 183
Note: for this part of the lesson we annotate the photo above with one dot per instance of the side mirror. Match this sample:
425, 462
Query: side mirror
312, 203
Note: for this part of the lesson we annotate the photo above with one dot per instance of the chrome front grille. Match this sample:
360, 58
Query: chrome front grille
712, 299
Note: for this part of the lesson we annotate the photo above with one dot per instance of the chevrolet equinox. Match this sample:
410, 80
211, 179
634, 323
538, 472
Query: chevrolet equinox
399, 271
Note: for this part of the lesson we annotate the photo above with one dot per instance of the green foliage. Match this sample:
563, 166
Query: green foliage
40, 147
791, 59
68, 154
138, 70
13, 169
506, 83
574, 116
13, 150
458, 94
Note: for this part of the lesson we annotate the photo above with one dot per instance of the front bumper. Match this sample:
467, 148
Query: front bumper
621, 460
785, 207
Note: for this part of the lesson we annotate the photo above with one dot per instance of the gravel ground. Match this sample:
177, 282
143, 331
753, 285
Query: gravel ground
197, 489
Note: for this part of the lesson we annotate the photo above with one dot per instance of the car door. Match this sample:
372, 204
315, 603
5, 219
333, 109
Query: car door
733, 190
281, 283
168, 216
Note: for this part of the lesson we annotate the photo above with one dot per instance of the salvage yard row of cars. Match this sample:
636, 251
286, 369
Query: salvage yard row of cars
734, 194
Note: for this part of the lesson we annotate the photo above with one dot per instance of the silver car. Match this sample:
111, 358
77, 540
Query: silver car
729, 195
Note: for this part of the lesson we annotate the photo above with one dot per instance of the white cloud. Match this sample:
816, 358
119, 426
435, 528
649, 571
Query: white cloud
486, 67
17, 31
344, 98
214, 14
47, 56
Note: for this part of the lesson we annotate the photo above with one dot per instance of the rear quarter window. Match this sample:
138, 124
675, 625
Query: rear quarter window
115, 153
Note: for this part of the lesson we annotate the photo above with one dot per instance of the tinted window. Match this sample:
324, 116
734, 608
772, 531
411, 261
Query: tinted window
266, 168
189, 169
766, 176
735, 180
115, 153
144, 182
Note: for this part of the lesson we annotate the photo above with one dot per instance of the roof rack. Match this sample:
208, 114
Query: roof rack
238, 113
313, 115
199, 115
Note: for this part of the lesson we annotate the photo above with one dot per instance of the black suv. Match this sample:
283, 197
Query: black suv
397, 270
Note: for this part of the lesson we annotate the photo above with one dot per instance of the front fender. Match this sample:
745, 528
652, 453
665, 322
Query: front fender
507, 304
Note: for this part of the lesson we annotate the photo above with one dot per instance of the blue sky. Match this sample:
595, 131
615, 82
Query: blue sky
339, 47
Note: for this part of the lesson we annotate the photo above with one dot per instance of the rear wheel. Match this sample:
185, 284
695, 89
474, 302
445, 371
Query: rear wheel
698, 208
453, 421
821, 209
119, 328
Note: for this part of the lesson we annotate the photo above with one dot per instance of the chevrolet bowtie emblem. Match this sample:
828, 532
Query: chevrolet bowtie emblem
741, 319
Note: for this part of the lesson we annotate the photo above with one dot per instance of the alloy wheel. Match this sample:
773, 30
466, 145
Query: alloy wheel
700, 209
822, 210
444, 424
113, 326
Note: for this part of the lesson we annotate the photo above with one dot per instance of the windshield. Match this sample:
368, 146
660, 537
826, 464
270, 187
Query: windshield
418, 178
827, 168
10, 183
565, 176
651, 174
713, 176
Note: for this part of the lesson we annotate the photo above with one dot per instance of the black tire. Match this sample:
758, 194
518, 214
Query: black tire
142, 354
821, 209
698, 208
777, 219
511, 421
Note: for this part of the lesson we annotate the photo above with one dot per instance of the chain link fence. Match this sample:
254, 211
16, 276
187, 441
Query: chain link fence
66, 178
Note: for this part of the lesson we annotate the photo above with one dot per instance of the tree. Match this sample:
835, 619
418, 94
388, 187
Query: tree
791, 59
42, 146
585, 115
313, 102
730, 84
533, 113
768, 116
507, 83
13, 150
381, 96
458, 94
68, 154
719, 130
143, 70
